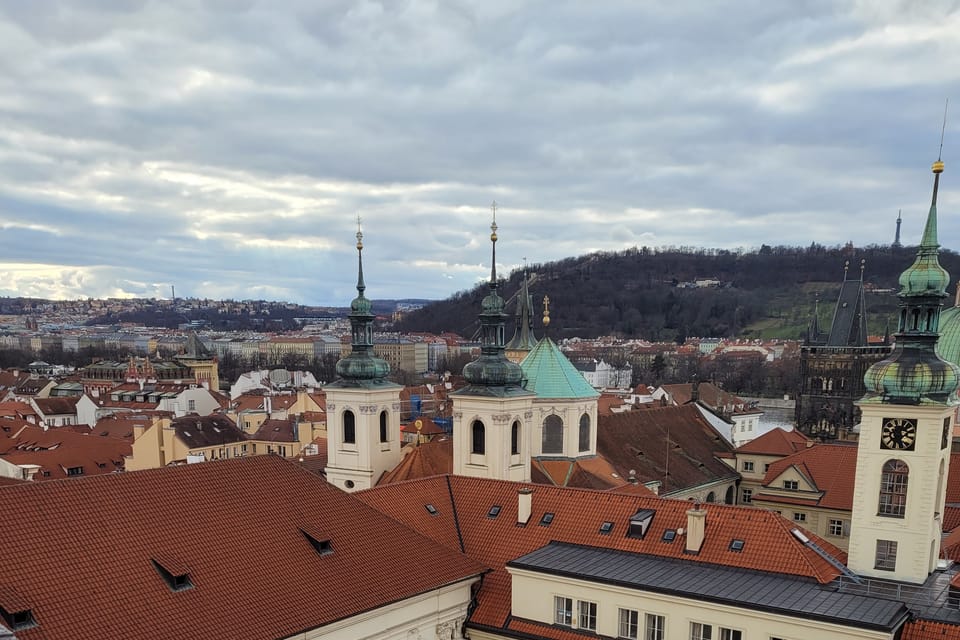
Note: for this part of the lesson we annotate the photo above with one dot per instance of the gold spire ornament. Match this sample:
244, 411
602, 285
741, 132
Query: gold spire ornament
546, 311
359, 234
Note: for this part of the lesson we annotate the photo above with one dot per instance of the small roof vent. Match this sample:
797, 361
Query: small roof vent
175, 574
546, 520
319, 541
432, 510
606, 528
640, 523
669, 535
494, 511
737, 545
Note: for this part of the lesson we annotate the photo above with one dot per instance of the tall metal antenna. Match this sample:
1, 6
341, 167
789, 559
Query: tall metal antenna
943, 130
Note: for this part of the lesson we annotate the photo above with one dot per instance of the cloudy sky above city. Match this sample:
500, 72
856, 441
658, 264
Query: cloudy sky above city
226, 147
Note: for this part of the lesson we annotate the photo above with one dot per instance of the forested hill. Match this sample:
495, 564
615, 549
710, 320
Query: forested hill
651, 294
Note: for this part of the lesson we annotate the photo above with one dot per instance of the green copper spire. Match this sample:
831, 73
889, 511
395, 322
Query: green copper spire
914, 373
361, 368
492, 373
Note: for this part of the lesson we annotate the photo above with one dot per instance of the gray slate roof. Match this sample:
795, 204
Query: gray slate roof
775, 593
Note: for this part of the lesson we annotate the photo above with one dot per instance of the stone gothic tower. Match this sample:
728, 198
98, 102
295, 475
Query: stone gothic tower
905, 435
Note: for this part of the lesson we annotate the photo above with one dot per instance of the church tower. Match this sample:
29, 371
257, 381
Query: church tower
523, 340
832, 364
904, 450
363, 408
492, 415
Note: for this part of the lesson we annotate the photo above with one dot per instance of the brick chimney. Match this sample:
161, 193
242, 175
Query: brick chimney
696, 527
524, 506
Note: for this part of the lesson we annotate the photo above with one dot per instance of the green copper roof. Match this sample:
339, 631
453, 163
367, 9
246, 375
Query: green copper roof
948, 346
550, 374
925, 276
915, 373
361, 368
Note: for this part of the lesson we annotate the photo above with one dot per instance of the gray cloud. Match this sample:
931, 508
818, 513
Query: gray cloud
228, 147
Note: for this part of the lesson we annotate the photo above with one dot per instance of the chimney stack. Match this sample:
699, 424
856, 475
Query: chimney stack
696, 526
524, 506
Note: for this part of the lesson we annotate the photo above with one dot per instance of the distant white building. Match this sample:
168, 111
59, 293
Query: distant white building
601, 375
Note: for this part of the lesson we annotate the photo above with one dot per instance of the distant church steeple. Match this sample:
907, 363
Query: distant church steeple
523, 338
896, 239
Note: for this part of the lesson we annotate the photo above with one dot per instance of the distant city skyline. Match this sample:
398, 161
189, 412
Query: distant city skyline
227, 149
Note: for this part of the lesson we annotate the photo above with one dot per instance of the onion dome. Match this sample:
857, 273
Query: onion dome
492, 373
914, 373
361, 367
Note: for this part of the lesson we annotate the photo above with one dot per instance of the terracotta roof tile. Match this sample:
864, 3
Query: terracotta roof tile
56, 406
929, 630
638, 440
776, 442
831, 468
578, 514
423, 461
194, 515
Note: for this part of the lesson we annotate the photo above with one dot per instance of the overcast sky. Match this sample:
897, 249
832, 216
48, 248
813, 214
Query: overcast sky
227, 146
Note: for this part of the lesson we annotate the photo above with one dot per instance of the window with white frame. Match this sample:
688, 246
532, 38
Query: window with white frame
746, 496
748, 465
791, 485
629, 624
836, 527
886, 556
588, 615
701, 631
655, 627
563, 611
730, 634
799, 517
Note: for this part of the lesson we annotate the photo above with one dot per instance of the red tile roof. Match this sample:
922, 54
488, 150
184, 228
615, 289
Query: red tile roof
929, 630
830, 467
276, 431
638, 440
194, 516
58, 450
710, 395
57, 406
578, 514
776, 442
422, 461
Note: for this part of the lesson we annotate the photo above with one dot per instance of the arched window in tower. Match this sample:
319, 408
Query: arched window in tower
929, 323
584, 433
349, 427
552, 434
903, 320
915, 320
478, 440
515, 438
384, 431
893, 489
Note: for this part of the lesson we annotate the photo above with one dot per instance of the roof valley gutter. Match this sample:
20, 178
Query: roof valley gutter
456, 518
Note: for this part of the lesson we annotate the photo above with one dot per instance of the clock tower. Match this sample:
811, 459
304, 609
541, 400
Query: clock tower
905, 432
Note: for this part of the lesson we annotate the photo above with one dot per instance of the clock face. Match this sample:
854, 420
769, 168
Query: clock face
899, 434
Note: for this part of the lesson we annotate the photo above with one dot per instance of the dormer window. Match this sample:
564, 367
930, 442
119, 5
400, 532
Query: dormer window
18, 620
546, 520
176, 575
320, 543
640, 522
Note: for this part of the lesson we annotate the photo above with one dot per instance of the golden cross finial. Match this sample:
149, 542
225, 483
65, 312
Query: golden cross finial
359, 234
546, 310
493, 225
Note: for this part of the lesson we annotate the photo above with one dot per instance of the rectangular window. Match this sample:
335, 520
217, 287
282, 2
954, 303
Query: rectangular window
588, 615
191, 405
791, 485
766, 467
747, 496
730, 634
836, 527
886, 558
700, 631
629, 624
655, 626
799, 517
747, 465
563, 611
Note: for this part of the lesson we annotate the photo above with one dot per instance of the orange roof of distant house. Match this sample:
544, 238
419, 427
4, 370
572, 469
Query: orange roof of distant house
422, 461
425, 427
776, 442
929, 630
58, 451
829, 467
57, 406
